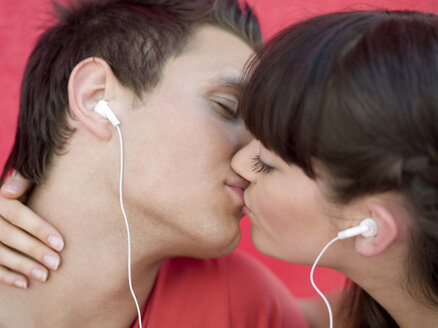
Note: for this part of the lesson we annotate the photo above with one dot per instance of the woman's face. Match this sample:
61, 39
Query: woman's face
289, 214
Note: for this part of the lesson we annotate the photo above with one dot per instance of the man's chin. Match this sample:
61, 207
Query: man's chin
221, 246
230, 246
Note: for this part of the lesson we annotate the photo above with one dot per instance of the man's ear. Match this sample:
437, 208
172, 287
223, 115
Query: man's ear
90, 81
387, 231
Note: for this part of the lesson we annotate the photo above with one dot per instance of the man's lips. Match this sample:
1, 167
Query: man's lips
237, 186
237, 182
239, 192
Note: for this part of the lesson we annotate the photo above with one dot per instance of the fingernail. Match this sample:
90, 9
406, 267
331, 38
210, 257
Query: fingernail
11, 187
20, 284
39, 274
51, 261
56, 243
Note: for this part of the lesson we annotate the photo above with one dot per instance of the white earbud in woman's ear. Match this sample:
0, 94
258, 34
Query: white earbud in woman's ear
103, 109
366, 228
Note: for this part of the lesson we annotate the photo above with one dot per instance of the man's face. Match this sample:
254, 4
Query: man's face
179, 144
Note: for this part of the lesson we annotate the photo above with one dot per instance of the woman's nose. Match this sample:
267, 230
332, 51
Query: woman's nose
242, 160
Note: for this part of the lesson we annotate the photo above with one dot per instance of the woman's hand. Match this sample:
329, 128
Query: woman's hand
28, 244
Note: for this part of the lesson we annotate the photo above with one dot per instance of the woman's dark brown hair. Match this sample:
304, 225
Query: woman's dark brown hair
358, 91
135, 37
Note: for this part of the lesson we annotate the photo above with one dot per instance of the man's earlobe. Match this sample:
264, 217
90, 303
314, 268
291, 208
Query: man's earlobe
90, 81
387, 232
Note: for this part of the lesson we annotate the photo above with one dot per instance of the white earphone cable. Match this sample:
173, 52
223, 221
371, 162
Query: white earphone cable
127, 227
313, 283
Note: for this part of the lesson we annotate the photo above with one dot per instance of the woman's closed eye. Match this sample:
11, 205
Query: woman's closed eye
259, 166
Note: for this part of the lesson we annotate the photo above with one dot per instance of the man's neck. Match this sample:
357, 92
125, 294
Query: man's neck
90, 289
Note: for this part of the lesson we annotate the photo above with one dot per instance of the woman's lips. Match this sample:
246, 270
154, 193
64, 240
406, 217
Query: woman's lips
246, 211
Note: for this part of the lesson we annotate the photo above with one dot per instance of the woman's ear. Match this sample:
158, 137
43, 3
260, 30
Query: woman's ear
387, 231
90, 81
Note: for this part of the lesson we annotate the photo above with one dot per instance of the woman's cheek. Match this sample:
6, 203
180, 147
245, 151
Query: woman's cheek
273, 211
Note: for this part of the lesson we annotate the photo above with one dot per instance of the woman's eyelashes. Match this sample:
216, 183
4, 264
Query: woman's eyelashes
259, 166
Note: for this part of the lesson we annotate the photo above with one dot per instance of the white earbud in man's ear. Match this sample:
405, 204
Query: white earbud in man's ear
103, 109
366, 228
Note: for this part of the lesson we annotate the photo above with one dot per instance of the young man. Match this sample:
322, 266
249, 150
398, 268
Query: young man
170, 72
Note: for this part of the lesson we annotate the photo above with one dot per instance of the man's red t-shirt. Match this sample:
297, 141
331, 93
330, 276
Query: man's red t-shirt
234, 291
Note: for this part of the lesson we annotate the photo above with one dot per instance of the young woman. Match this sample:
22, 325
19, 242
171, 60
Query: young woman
344, 108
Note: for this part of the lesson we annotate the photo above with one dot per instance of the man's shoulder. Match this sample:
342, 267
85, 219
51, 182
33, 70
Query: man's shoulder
246, 289
257, 291
237, 271
236, 267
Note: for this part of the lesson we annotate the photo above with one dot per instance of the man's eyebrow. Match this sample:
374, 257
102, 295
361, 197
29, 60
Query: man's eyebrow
232, 82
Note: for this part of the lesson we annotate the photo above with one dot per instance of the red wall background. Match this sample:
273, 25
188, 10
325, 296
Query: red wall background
22, 20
